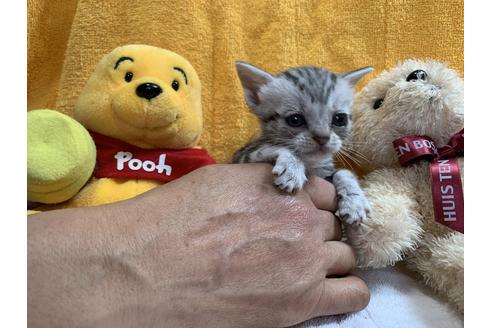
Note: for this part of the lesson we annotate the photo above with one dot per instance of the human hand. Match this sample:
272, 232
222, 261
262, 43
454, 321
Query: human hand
222, 247
237, 253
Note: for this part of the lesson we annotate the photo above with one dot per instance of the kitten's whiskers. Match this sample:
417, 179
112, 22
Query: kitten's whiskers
340, 155
356, 154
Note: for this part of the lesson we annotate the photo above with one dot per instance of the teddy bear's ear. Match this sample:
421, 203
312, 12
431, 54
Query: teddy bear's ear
354, 76
252, 79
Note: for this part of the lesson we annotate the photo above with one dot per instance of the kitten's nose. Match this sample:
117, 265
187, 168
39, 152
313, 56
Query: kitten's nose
321, 140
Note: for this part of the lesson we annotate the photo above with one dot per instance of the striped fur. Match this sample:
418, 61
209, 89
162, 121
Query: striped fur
316, 83
317, 95
320, 97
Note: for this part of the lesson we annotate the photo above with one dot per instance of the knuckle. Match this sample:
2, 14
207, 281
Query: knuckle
299, 223
301, 214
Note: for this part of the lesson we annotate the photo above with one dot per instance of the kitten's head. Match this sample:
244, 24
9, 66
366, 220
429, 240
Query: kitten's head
307, 109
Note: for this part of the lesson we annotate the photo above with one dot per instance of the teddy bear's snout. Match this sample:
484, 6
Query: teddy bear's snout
148, 90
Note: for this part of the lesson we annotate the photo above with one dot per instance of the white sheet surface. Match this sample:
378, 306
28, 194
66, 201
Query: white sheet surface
397, 300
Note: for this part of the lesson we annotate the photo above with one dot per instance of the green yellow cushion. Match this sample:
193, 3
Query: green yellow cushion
60, 156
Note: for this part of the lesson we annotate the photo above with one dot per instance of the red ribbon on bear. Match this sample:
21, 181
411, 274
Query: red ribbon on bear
118, 159
447, 189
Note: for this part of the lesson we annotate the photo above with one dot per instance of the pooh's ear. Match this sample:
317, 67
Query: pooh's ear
252, 79
354, 76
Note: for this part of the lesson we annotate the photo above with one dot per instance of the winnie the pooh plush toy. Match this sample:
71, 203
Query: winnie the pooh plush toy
408, 125
142, 107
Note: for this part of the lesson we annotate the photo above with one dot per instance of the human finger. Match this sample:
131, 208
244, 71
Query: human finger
322, 193
341, 295
339, 258
329, 226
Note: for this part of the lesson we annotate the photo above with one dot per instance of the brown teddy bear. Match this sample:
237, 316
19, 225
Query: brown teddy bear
408, 125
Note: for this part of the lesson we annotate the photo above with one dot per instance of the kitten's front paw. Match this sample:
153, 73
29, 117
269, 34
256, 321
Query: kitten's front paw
353, 209
290, 176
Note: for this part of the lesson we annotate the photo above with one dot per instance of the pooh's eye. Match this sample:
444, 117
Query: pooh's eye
128, 76
378, 103
340, 119
295, 120
175, 85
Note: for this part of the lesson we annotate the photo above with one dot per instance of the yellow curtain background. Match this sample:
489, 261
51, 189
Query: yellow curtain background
66, 38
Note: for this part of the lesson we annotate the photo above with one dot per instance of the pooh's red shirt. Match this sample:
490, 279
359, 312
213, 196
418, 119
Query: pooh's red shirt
118, 159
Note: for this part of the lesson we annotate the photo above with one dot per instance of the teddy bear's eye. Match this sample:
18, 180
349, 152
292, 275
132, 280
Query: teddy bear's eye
175, 85
128, 76
378, 103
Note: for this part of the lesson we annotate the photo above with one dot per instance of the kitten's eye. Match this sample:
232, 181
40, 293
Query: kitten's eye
128, 76
295, 120
378, 103
175, 85
340, 119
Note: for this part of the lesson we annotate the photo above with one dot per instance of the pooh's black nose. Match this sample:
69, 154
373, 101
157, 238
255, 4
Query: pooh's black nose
417, 75
148, 90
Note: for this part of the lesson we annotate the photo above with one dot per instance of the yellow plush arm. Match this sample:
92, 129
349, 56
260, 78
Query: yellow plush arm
60, 156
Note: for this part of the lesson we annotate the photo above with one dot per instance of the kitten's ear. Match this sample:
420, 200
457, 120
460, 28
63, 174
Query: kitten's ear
354, 76
252, 79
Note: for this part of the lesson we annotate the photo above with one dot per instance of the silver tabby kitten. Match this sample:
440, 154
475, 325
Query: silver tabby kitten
305, 114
